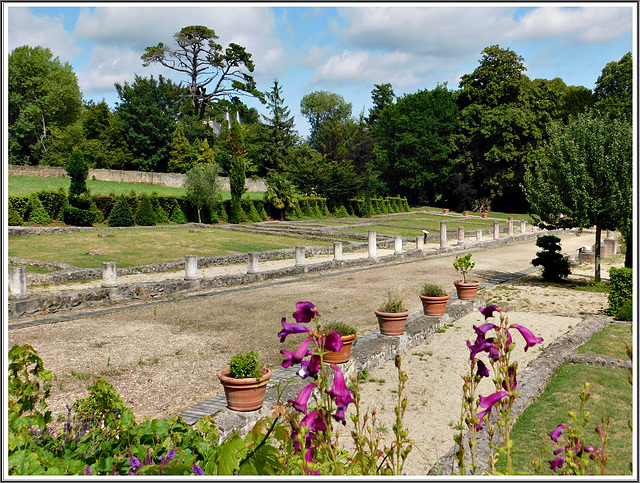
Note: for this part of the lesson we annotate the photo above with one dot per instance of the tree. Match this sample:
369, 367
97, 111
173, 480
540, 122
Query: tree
412, 144
382, 96
201, 183
614, 88
325, 111
281, 194
206, 64
237, 172
585, 176
280, 134
182, 156
43, 94
148, 112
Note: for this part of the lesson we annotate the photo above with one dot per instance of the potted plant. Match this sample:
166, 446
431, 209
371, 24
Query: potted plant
392, 316
245, 382
445, 210
484, 214
347, 336
434, 299
467, 289
465, 213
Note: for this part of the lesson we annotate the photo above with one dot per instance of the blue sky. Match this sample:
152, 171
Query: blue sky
338, 47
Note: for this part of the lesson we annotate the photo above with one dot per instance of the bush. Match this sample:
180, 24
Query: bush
177, 216
620, 288
37, 213
54, 202
145, 215
555, 266
14, 216
77, 217
98, 215
246, 365
104, 203
626, 311
341, 212
253, 213
121, 214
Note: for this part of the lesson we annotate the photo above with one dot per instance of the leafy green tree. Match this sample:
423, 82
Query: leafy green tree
182, 157
201, 183
148, 112
206, 65
382, 96
78, 170
614, 88
281, 194
237, 172
121, 214
145, 214
279, 134
324, 112
43, 95
412, 144
585, 176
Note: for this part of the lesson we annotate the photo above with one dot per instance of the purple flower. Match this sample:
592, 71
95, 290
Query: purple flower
305, 312
488, 311
310, 367
483, 371
481, 416
308, 458
87, 471
333, 342
164, 461
134, 462
315, 423
556, 463
288, 329
489, 401
339, 415
557, 432
297, 355
484, 328
481, 345
300, 403
511, 377
528, 336
196, 470
340, 392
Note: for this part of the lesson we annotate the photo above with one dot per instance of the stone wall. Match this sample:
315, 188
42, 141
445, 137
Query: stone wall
173, 180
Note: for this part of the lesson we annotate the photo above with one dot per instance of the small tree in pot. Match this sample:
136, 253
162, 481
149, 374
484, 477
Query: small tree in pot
245, 382
467, 290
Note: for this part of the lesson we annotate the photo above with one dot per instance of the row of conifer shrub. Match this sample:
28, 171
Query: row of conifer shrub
44, 206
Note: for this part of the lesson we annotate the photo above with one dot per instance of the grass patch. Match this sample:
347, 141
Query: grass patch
609, 342
34, 269
595, 287
611, 395
138, 246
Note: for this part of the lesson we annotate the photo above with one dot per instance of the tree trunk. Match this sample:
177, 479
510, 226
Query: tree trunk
199, 220
597, 252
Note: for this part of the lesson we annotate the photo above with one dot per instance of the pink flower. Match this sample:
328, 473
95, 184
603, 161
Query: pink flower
340, 392
489, 401
297, 355
557, 432
556, 463
300, 403
488, 311
305, 312
288, 329
333, 342
310, 367
530, 339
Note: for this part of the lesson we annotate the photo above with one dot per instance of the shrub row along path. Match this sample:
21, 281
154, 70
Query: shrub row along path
164, 357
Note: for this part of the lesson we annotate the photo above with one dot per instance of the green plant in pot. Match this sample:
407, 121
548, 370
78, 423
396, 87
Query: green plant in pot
245, 382
434, 299
347, 336
392, 315
466, 289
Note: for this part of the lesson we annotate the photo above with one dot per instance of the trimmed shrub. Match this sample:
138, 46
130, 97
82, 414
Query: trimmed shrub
121, 214
177, 216
98, 215
145, 215
626, 311
37, 213
223, 213
555, 267
263, 214
78, 217
20, 204
105, 204
341, 212
253, 213
54, 202
620, 288
14, 217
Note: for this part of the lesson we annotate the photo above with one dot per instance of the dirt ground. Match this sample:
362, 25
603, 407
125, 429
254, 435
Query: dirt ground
163, 358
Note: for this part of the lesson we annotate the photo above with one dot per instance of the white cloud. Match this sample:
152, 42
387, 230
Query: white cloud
585, 24
24, 28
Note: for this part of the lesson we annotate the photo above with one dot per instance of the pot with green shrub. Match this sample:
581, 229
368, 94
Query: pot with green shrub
347, 336
245, 382
434, 299
466, 289
392, 315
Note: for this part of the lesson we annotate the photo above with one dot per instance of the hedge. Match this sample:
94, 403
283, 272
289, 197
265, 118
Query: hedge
620, 288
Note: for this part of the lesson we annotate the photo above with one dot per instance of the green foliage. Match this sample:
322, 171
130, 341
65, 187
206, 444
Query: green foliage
253, 213
555, 267
614, 88
105, 204
245, 365
201, 183
341, 212
341, 328
626, 311
100, 404
432, 290
393, 304
121, 214
78, 217
36, 212
54, 202
145, 215
464, 265
14, 218
78, 170
182, 156
177, 216
620, 289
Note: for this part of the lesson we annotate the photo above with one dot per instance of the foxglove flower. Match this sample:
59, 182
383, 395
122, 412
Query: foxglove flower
340, 392
315, 423
489, 401
297, 355
530, 339
484, 328
488, 311
481, 345
339, 415
300, 403
288, 329
305, 312
557, 432
556, 463
310, 367
333, 342
483, 371
196, 470
513, 382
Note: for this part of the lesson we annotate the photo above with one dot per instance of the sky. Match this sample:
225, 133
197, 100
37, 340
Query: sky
340, 47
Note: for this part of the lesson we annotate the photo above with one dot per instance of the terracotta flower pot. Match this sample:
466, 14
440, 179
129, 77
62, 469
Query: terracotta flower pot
445, 210
392, 323
465, 213
344, 353
434, 305
244, 394
484, 215
509, 218
467, 290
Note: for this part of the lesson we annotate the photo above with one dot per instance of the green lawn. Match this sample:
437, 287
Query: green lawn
139, 246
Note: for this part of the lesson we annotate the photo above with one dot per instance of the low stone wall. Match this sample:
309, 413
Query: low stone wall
173, 180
